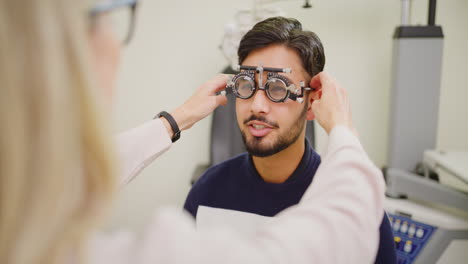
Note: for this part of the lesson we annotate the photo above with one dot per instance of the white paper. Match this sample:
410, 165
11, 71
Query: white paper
209, 217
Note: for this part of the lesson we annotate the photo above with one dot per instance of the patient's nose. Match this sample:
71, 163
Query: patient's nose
260, 103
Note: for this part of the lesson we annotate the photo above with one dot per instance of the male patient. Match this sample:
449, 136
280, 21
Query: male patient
280, 163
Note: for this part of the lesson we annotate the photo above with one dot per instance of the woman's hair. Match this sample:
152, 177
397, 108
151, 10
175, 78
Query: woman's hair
56, 169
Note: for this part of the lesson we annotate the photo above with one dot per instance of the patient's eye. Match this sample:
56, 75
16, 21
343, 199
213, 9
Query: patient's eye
244, 86
277, 89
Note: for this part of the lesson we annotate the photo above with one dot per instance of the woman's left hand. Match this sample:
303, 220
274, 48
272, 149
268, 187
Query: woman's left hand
202, 103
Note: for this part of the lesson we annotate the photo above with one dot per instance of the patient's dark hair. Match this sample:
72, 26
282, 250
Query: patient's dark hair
288, 32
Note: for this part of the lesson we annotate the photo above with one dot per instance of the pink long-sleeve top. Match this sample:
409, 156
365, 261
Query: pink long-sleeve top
337, 220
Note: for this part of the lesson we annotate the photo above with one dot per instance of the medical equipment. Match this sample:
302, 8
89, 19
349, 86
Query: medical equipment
426, 233
429, 217
277, 87
451, 168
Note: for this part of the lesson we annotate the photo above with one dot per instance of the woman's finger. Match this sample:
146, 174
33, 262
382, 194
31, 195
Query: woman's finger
319, 80
218, 83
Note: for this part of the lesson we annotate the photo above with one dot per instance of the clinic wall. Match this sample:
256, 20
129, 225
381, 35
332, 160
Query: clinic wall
175, 49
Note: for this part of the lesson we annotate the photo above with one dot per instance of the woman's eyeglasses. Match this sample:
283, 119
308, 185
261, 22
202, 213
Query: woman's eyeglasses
121, 14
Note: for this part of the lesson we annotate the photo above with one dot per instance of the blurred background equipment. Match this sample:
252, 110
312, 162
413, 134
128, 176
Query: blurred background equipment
426, 188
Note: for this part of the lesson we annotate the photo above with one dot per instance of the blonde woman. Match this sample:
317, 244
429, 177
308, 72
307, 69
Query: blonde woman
58, 58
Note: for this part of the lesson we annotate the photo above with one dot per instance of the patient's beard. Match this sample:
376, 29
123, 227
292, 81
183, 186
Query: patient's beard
257, 146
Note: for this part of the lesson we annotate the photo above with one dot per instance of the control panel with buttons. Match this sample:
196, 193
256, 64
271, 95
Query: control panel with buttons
410, 237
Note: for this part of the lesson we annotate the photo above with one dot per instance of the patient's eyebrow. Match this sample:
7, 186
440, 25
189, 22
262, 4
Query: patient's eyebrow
285, 77
283, 72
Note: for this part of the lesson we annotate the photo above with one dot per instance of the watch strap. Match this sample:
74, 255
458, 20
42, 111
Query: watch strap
173, 123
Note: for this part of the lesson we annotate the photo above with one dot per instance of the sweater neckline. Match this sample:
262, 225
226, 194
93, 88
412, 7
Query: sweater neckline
309, 162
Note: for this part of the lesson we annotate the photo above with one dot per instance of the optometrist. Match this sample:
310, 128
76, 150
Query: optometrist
57, 173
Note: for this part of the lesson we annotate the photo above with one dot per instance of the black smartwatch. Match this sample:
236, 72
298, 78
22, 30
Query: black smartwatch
173, 123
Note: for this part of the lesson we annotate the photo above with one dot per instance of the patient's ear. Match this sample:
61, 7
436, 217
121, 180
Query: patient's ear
310, 99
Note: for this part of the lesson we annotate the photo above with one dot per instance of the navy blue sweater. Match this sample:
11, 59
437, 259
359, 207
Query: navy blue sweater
236, 185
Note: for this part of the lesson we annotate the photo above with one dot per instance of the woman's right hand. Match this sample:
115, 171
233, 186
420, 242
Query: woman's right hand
332, 107
202, 103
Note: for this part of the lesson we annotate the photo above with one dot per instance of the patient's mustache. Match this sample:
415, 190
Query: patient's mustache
261, 119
